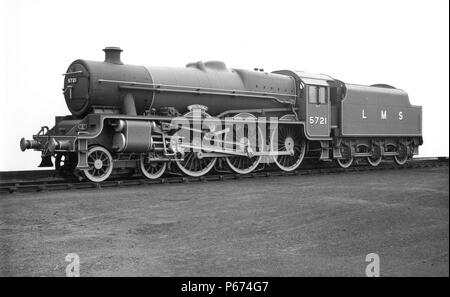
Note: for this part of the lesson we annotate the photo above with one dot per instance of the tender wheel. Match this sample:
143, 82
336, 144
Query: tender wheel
289, 139
152, 170
402, 154
192, 165
243, 164
100, 164
347, 159
376, 157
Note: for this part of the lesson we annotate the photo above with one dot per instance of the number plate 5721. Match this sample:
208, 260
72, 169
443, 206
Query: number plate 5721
72, 80
314, 120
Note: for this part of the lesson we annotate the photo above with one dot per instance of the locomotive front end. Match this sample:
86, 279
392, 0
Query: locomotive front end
59, 139
85, 94
76, 88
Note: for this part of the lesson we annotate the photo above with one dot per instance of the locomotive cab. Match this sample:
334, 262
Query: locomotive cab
317, 110
314, 102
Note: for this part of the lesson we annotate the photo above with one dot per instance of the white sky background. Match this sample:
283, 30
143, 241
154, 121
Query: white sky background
403, 43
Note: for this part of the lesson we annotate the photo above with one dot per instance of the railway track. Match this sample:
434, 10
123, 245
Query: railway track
45, 180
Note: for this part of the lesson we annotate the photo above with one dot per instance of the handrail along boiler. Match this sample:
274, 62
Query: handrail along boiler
122, 120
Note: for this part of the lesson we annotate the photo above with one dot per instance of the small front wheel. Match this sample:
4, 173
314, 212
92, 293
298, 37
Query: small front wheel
152, 170
100, 164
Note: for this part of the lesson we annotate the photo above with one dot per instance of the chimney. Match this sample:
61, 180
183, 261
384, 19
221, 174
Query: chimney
112, 55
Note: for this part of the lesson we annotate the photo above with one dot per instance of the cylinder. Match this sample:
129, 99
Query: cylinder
134, 136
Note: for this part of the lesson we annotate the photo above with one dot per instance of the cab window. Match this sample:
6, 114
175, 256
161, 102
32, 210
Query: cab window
317, 95
322, 95
312, 94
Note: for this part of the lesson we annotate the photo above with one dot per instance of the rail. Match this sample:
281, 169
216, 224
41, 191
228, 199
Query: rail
46, 180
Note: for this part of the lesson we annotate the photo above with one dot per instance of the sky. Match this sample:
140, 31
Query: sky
404, 43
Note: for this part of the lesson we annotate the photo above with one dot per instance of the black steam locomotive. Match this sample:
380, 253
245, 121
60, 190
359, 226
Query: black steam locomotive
128, 118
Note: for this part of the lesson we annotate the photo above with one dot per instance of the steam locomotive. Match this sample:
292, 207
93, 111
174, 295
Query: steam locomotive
127, 119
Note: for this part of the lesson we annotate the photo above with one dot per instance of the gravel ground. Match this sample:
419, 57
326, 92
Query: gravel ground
317, 225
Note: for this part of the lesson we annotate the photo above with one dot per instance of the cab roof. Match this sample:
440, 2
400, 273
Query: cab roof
315, 79
311, 78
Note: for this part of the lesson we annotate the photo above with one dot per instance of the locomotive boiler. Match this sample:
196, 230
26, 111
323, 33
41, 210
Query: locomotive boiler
129, 118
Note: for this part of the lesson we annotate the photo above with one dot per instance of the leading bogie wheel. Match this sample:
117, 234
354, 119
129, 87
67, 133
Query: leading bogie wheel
100, 164
152, 170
